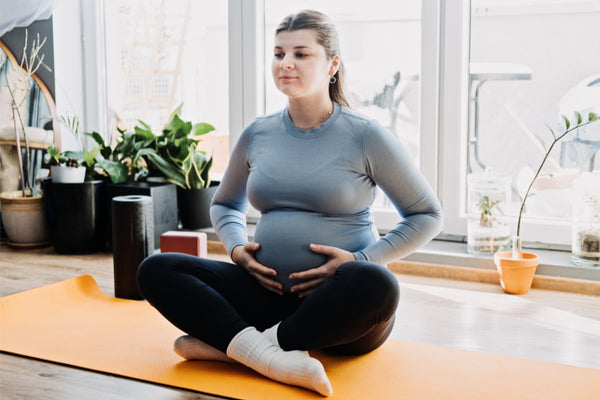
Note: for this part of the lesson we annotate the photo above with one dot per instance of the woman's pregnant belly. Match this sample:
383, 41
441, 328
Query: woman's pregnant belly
285, 237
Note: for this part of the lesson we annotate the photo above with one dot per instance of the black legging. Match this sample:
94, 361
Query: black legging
351, 313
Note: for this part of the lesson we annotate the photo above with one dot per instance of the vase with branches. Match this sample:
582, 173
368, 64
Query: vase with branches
517, 268
23, 215
568, 128
18, 91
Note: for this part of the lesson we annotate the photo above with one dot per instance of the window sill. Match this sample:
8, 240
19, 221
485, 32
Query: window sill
553, 263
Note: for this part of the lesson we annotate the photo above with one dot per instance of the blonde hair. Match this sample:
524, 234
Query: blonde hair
327, 37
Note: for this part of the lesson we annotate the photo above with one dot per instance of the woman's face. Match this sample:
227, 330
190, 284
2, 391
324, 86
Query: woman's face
300, 66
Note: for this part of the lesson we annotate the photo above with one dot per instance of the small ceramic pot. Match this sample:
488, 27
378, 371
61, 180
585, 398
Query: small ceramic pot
24, 220
63, 174
516, 275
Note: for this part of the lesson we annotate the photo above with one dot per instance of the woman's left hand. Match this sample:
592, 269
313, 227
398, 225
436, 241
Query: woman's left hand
316, 276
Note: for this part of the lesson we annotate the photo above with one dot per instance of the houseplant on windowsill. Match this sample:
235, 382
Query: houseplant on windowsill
517, 268
22, 210
178, 158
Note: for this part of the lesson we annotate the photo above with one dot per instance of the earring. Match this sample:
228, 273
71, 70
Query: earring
333, 80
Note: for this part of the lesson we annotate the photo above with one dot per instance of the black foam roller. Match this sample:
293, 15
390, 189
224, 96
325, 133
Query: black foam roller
132, 241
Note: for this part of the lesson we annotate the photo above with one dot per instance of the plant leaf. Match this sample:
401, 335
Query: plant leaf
90, 156
77, 155
205, 171
169, 171
567, 122
592, 117
145, 125
177, 127
176, 111
115, 170
143, 133
52, 151
579, 119
551, 131
201, 128
96, 136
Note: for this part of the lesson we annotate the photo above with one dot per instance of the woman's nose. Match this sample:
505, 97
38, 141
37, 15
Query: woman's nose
286, 63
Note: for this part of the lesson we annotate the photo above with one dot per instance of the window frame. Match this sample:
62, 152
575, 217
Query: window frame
454, 119
443, 114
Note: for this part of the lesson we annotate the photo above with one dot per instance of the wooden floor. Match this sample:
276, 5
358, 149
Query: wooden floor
543, 325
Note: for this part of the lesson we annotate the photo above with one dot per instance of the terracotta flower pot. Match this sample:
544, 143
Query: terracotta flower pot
516, 275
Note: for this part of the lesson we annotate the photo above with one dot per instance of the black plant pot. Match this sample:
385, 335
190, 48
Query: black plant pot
75, 215
164, 204
194, 206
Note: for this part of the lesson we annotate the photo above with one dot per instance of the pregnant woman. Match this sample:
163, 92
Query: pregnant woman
314, 276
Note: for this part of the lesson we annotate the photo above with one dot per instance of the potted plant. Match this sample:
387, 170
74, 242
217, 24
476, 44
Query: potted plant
517, 268
71, 166
180, 161
488, 197
22, 211
585, 249
127, 168
74, 206
64, 167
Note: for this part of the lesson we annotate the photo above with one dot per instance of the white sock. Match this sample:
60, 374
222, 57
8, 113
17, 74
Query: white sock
192, 348
254, 350
271, 334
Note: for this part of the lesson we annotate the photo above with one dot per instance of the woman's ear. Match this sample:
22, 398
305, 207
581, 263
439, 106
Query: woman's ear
335, 65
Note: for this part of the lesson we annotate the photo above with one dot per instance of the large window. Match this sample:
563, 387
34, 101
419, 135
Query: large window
464, 85
530, 63
162, 53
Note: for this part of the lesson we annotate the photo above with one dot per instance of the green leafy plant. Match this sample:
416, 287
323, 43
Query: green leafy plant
86, 158
579, 123
486, 207
174, 154
177, 155
54, 157
112, 163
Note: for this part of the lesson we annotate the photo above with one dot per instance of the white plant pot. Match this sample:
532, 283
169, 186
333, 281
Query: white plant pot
62, 174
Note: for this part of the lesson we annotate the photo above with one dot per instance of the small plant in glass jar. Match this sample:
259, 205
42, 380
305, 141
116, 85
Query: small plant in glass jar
586, 220
488, 230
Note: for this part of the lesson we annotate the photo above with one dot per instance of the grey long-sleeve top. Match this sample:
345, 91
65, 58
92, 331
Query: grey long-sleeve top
317, 186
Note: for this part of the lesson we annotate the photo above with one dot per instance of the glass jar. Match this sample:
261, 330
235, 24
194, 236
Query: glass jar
585, 239
488, 203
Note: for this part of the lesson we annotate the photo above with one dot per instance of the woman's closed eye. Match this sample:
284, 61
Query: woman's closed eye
280, 56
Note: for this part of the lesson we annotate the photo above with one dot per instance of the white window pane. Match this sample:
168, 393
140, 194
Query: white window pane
163, 53
536, 60
381, 49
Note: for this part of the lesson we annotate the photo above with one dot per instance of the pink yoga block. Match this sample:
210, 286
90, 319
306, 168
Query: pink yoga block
193, 243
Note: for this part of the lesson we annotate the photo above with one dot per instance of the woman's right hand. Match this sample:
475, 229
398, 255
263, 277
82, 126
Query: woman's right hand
244, 257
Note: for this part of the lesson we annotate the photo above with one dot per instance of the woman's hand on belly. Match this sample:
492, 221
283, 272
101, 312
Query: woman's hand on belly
315, 276
245, 258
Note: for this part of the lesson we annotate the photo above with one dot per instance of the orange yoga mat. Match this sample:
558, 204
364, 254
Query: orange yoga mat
73, 322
